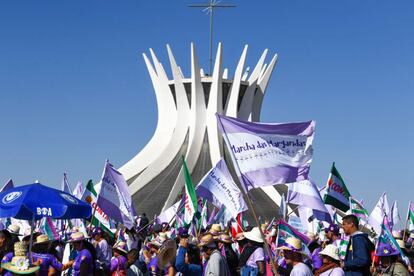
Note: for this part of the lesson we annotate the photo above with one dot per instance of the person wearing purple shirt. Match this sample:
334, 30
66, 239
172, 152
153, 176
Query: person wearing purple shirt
48, 263
83, 265
118, 262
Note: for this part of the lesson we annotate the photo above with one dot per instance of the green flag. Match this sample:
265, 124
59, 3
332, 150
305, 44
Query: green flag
190, 206
410, 216
99, 217
336, 194
358, 209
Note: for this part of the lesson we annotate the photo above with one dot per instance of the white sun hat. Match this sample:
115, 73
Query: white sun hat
292, 244
254, 235
331, 251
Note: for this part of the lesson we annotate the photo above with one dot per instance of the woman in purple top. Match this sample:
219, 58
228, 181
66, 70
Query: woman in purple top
119, 260
48, 263
83, 265
252, 259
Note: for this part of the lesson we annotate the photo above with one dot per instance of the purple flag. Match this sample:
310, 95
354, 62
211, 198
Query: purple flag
217, 186
9, 185
305, 193
268, 154
114, 198
286, 231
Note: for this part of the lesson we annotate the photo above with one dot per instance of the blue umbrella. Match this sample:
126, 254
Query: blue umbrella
35, 201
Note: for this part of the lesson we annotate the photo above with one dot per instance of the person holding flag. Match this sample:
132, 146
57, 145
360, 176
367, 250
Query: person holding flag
389, 264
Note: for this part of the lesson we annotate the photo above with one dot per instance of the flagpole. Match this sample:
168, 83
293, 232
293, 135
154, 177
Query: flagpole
93, 215
406, 220
245, 194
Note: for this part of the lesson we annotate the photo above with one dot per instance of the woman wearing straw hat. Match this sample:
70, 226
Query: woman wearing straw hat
48, 263
292, 251
331, 262
83, 265
19, 264
118, 262
252, 259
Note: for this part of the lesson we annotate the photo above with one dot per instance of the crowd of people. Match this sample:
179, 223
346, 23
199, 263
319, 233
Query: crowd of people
158, 249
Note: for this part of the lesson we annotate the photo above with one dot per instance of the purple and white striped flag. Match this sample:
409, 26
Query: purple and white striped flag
305, 193
217, 186
114, 198
268, 154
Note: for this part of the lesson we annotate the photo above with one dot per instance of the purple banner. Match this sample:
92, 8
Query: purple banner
268, 154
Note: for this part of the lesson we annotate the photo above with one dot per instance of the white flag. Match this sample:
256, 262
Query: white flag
114, 198
218, 187
394, 214
168, 214
377, 215
79, 190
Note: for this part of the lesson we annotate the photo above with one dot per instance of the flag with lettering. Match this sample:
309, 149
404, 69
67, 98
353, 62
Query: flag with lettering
114, 197
268, 154
190, 204
217, 186
336, 192
99, 217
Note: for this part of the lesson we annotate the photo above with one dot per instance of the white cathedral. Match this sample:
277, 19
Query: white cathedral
187, 126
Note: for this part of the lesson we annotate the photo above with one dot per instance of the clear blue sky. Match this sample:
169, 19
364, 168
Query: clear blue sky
74, 89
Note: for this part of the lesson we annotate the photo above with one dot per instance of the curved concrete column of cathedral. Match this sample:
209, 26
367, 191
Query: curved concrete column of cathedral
187, 126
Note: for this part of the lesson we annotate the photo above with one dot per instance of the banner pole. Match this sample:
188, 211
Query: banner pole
245, 194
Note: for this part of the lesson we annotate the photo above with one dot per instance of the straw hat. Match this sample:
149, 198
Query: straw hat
77, 236
215, 229
14, 229
207, 240
225, 238
331, 251
254, 235
292, 244
121, 248
167, 253
401, 243
42, 239
20, 263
